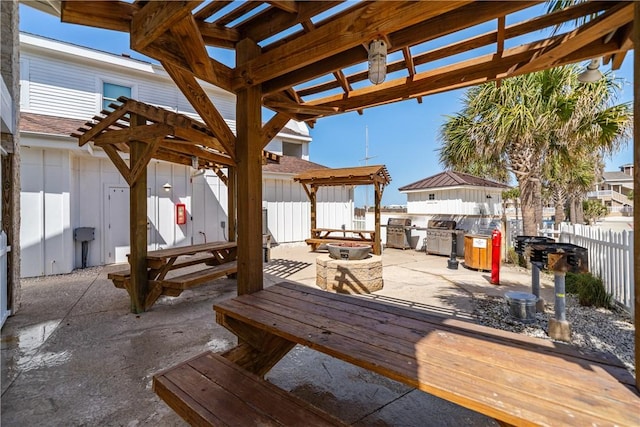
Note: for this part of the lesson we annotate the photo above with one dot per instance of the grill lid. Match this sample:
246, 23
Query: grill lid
404, 222
441, 224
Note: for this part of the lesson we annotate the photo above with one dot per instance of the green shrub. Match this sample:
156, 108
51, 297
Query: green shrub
512, 257
590, 289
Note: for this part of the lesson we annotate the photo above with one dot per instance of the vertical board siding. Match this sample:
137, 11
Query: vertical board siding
610, 258
458, 201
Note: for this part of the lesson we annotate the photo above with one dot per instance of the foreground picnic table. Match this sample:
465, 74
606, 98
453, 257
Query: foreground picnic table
211, 261
515, 379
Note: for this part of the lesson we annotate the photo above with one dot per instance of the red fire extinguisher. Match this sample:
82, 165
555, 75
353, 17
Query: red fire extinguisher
496, 238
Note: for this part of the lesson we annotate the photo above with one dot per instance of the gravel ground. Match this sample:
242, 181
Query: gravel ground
610, 331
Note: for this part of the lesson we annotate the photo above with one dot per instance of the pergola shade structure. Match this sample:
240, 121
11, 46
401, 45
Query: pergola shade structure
306, 60
376, 175
144, 132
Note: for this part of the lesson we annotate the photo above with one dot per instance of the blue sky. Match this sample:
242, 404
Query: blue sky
403, 136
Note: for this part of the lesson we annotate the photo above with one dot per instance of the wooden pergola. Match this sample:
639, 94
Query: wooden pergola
376, 175
143, 132
306, 60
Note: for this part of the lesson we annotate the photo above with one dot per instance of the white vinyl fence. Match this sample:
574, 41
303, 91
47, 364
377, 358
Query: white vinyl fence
4, 311
610, 257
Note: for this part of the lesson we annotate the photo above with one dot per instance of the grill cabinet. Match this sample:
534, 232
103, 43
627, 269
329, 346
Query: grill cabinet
398, 233
439, 236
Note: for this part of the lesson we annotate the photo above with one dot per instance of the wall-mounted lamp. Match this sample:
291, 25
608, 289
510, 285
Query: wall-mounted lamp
166, 187
489, 196
591, 74
377, 61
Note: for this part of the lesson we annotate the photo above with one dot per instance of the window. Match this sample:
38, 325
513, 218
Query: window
291, 149
111, 92
432, 196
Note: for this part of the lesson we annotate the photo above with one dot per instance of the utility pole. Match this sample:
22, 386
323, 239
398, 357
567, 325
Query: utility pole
366, 160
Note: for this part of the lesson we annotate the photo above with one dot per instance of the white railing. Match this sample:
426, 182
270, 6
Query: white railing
4, 249
609, 194
610, 257
359, 223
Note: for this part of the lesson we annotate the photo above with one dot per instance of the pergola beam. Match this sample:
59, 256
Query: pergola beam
155, 18
463, 74
598, 28
378, 18
202, 104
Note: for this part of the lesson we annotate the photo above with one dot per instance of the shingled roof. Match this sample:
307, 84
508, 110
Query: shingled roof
52, 125
451, 179
292, 165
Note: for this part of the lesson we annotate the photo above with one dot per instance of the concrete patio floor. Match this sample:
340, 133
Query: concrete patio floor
75, 355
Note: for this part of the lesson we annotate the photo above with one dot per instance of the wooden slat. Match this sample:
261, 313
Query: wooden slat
378, 18
100, 14
598, 28
161, 254
502, 375
272, 127
155, 18
210, 390
190, 40
273, 20
199, 277
429, 29
203, 105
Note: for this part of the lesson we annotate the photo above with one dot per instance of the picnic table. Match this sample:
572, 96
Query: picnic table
515, 379
169, 273
321, 236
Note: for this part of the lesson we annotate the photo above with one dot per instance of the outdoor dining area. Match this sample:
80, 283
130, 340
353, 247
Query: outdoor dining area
281, 48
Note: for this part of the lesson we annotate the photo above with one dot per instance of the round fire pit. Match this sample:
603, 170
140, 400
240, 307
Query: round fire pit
348, 251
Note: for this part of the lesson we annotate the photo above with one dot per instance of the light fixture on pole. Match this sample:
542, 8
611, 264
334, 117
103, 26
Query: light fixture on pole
377, 61
166, 187
591, 74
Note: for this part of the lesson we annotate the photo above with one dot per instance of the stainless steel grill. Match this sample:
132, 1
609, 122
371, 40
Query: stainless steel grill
439, 236
398, 233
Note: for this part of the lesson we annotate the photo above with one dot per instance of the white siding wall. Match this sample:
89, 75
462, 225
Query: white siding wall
289, 209
66, 87
64, 190
460, 201
45, 212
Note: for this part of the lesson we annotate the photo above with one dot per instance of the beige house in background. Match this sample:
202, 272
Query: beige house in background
615, 190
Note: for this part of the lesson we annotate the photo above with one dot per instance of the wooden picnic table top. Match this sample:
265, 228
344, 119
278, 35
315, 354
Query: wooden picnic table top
340, 230
515, 379
163, 254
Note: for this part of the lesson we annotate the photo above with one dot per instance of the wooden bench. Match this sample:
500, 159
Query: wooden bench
188, 280
162, 265
210, 390
515, 379
120, 277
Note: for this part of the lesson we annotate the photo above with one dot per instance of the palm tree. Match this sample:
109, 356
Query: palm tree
525, 121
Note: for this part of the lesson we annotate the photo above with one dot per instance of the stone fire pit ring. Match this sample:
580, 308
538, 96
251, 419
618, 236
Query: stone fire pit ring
348, 251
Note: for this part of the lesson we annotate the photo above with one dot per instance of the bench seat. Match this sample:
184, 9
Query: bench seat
211, 390
199, 277
120, 277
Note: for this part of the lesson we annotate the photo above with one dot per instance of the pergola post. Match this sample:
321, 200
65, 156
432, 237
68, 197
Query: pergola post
249, 179
313, 196
139, 284
636, 183
377, 245
232, 203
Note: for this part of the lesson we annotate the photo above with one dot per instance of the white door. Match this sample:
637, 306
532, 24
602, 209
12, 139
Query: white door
207, 211
117, 224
